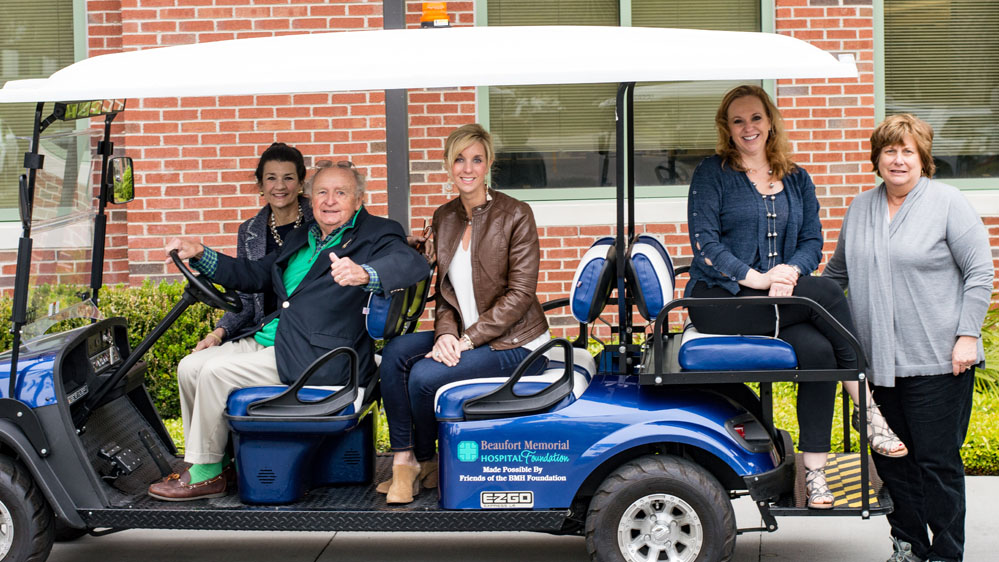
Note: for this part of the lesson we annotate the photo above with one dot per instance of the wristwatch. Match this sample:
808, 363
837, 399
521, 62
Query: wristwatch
467, 341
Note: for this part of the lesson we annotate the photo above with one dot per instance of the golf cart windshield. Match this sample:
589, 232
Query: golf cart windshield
63, 231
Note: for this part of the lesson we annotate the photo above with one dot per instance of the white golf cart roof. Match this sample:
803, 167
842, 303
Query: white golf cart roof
421, 58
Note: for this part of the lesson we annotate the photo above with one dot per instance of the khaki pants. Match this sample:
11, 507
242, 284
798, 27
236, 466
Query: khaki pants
205, 379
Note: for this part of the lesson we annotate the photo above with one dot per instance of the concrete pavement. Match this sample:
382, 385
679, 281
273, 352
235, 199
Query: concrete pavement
815, 539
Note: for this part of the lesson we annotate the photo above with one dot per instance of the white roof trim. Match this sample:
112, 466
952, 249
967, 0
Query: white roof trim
433, 58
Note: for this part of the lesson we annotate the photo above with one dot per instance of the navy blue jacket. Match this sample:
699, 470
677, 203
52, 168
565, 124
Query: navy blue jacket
321, 315
726, 224
251, 243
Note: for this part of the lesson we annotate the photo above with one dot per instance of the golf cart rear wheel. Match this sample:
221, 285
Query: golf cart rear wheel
25, 516
660, 507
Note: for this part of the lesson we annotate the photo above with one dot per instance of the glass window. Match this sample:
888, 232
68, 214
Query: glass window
36, 39
942, 65
563, 136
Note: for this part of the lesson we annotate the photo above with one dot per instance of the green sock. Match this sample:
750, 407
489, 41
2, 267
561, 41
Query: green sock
202, 472
226, 459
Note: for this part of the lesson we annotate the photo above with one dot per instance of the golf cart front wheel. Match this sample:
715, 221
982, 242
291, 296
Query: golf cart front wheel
25, 516
660, 507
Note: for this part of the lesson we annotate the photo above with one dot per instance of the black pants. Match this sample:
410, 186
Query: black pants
930, 415
815, 343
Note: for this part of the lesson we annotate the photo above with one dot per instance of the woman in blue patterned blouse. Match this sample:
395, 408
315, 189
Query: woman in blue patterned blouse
754, 230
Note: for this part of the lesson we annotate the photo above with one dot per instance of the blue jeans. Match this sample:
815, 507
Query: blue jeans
930, 414
410, 382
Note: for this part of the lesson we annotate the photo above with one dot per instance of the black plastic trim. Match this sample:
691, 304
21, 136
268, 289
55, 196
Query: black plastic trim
770, 485
288, 404
270, 519
57, 496
504, 402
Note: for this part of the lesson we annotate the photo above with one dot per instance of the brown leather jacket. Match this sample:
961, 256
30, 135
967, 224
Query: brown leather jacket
505, 260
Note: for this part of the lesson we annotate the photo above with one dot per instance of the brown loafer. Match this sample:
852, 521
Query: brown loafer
229, 473
177, 488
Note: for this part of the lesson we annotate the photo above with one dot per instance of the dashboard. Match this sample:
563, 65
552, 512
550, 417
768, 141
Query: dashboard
92, 356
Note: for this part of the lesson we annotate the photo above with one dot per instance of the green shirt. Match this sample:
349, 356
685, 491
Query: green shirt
298, 266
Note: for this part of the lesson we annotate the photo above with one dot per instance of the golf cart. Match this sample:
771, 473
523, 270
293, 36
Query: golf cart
639, 449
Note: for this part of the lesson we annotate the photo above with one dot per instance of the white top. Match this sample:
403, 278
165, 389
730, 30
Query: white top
460, 273
411, 58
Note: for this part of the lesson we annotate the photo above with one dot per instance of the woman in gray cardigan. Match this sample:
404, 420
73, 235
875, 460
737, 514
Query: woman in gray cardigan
280, 176
915, 259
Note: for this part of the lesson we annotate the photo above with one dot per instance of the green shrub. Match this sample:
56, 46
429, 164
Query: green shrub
987, 379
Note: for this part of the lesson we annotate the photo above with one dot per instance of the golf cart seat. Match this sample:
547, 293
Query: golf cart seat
540, 385
291, 438
651, 278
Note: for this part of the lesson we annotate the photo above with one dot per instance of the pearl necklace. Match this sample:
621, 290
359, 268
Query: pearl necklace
273, 225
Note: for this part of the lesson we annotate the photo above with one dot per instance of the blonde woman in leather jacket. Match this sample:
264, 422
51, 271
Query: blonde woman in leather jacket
487, 317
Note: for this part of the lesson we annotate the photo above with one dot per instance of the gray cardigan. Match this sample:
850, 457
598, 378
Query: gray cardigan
917, 283
251, 243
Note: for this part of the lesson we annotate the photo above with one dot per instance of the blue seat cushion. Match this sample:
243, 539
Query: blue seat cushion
711, 352
451, 397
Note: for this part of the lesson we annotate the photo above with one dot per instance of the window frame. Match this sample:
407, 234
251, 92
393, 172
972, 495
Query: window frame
590, 203
10, 230
983, 201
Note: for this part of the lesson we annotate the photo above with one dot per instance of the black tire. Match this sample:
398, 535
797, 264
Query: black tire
630, 504
26, 529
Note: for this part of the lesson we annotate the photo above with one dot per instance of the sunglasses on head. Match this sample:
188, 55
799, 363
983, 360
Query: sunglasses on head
331, 164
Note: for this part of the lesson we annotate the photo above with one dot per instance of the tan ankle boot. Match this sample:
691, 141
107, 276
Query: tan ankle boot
405, 484
428, 474
428, 478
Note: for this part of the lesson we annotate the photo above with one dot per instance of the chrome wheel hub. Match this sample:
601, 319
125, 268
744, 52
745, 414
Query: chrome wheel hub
6, 531
660, 527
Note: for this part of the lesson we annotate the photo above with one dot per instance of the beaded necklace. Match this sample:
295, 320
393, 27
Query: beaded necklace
273, 225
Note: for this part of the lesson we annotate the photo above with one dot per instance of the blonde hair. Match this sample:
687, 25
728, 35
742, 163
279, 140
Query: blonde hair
778, 148
892, 131
464, 137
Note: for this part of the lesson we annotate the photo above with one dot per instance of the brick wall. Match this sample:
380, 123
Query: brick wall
195, 156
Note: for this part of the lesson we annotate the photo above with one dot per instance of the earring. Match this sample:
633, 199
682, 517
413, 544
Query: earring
261, 192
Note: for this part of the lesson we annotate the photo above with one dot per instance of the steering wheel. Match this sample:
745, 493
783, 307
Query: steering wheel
205, 291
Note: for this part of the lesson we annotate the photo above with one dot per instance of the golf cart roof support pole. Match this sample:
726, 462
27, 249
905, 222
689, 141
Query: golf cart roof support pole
396, 130
624, 120
26, 192
105, 148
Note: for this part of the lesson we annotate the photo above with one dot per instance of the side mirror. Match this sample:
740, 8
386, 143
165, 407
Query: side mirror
122, 186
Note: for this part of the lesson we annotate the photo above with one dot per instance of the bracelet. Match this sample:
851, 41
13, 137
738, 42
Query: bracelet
212, 334
467, 341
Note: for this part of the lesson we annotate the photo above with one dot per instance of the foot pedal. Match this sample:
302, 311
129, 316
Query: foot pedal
122, 462
154, 451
